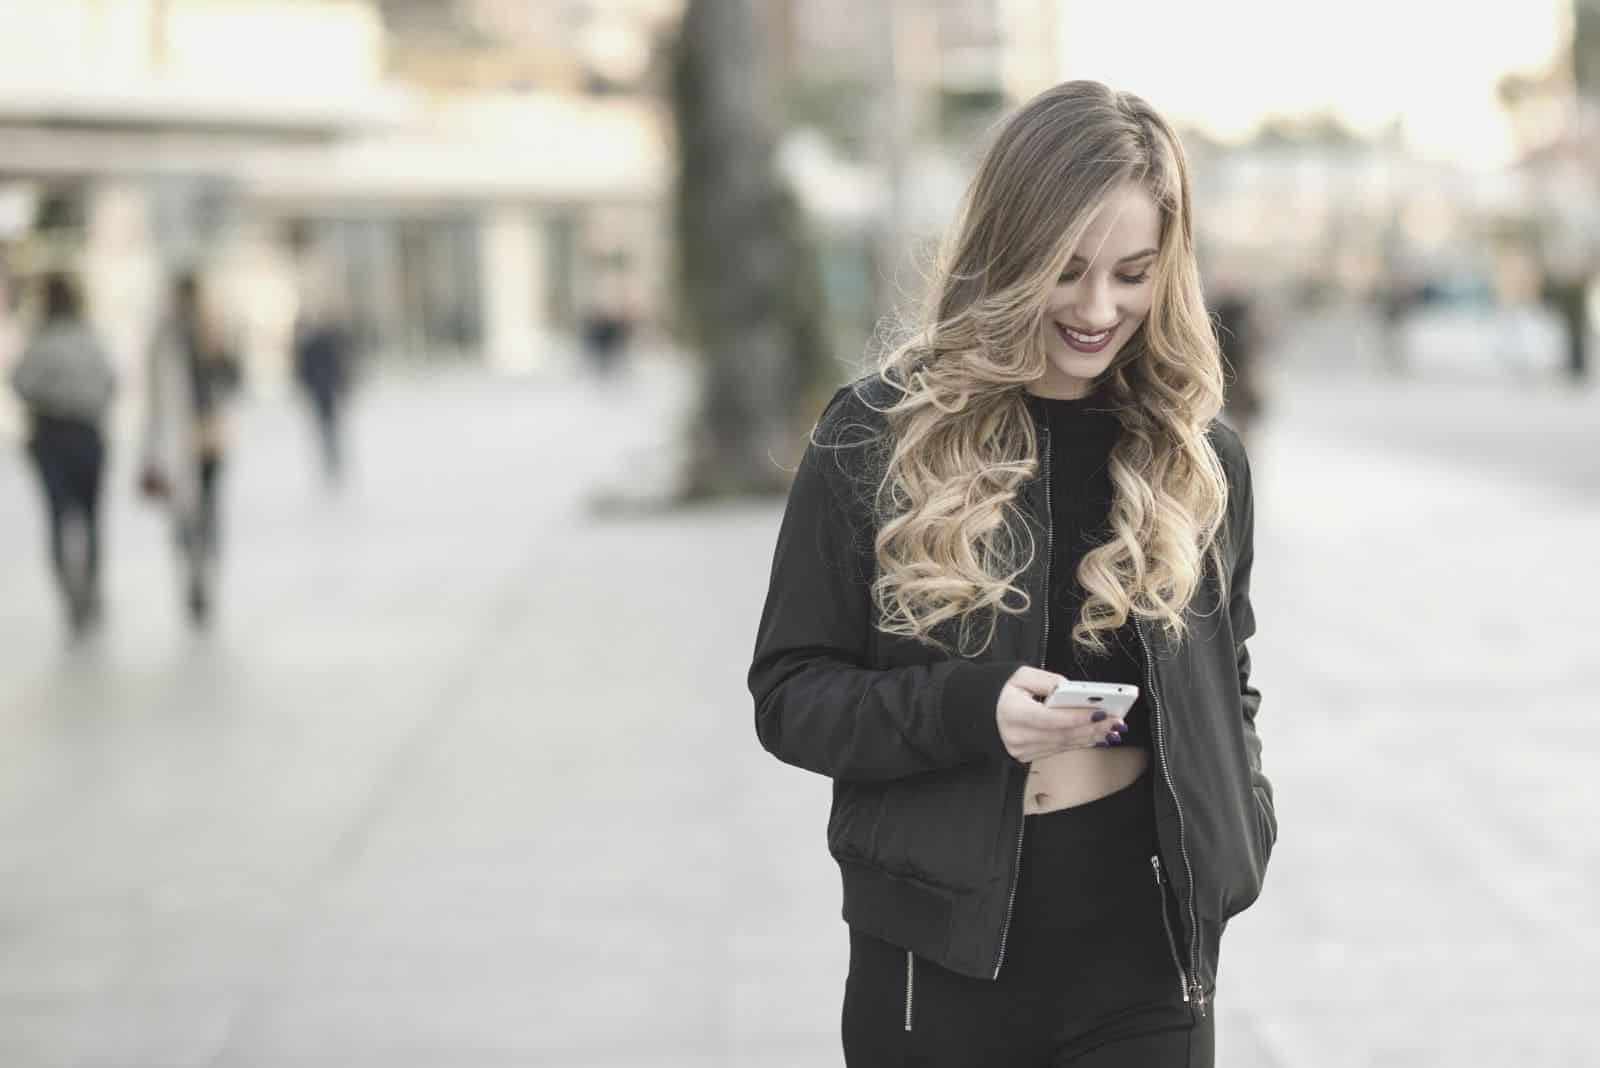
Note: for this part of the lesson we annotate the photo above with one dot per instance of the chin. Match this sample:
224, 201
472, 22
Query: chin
1079, 365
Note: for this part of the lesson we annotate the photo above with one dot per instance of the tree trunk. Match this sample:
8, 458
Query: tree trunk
747, 278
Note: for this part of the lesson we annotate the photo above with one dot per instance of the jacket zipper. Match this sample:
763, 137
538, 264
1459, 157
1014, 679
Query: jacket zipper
911, 978
1183, 849
1172, 943
1044, 648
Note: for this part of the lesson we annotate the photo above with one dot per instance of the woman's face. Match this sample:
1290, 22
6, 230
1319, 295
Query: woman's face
1103, 296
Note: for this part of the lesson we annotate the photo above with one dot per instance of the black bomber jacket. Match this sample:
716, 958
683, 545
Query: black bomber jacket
926, 822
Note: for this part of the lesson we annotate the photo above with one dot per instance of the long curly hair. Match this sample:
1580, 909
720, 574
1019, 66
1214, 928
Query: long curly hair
950, 541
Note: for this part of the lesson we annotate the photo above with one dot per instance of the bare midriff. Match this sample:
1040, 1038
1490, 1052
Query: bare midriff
1079, 776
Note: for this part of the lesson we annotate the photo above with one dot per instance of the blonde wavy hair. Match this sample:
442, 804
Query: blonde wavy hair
951, 541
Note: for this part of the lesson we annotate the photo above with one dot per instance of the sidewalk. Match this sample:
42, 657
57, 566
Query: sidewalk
1426, 653
466, 776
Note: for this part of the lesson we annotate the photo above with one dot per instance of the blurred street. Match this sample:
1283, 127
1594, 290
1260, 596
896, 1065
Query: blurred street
462, 770
465, 775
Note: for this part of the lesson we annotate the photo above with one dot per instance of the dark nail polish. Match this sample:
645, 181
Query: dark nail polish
1099, 714
1115, 739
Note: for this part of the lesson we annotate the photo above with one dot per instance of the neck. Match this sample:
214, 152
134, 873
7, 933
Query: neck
1060, 387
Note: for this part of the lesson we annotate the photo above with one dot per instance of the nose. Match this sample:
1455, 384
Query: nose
1096, 310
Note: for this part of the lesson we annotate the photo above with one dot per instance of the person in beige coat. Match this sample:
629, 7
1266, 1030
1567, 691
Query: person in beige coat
191, 376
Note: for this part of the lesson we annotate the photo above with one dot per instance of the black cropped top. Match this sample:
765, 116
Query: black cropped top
1082, 433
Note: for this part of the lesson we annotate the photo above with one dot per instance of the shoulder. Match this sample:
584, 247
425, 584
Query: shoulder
1230, 451
50, 335
855, 418
1240, 516
1225, 440
52, 342
850, 444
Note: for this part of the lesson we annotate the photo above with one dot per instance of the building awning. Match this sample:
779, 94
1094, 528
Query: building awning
384, 146
534, 147
171, 106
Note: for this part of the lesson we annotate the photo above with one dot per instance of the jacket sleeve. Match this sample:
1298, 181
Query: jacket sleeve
27, 376
818, 705
1243, 618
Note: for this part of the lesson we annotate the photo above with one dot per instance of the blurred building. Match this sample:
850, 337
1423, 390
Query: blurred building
1336, 216
130, 129
455, 176
1562, 169
527, 182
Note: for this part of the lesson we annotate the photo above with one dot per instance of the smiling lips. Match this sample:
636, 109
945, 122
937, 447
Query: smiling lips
1082, 342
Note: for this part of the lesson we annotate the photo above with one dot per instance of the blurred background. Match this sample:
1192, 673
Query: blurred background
401, 719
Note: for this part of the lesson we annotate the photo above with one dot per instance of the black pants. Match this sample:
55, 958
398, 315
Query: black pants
206, 533
200, 537
70, 458
1090, 978
325, 410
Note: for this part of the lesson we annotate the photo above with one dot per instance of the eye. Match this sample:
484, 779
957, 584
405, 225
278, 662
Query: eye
1073, 274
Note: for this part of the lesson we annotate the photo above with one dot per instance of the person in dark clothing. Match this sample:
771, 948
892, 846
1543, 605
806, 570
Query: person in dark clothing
1568, 295
66, 382
1033, 486
322, 367
605, 338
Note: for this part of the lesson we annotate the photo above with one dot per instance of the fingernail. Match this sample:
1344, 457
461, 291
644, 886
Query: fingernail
1099, 714
1115, 739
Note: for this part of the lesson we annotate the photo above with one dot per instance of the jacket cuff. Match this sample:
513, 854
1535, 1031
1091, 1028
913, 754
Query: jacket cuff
971, 693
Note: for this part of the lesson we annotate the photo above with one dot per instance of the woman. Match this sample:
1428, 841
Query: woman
1033, 487
66, 382
191, 376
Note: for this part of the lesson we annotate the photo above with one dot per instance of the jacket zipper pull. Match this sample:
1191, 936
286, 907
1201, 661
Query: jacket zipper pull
1183, 979
911, 978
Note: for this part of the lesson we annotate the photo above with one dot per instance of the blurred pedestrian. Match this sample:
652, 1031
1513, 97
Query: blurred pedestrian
607, 325
1033, 486
191, 377
1394, 301
322, 349
1566, 290
66, 382
605, 336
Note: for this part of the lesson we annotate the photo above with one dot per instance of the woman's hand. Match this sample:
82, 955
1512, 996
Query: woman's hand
1032, 732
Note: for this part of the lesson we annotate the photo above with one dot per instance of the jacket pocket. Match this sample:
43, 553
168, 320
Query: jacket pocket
853, 819
1244, 887
1267, 818
943, 829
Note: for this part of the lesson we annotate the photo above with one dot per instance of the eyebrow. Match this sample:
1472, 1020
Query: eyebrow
1126, 259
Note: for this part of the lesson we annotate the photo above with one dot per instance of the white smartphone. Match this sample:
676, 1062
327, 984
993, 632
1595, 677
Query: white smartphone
1116, 698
